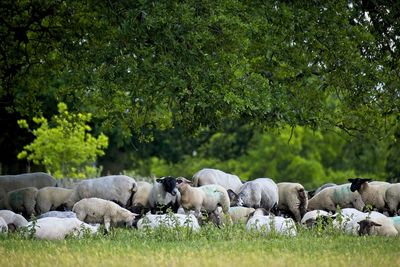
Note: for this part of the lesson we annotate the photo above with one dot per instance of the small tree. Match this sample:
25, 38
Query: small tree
64, 146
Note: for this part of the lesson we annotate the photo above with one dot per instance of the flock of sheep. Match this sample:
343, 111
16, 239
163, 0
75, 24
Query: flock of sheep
212, 195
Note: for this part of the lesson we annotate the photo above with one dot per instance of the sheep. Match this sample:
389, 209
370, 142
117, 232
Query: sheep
3, 226
12, 182
353, 226
213, 176
140, 200
164, 195
310, 194
262, 221
329, 198
58, 214
240, 214
52, 228
396, 222
206, 197
51, 198
117, 188
14, 221
259, 193
345, 216
168, 220
22, 200
96, 210
311, 218
392, 198
371, 193
292, 198
382, 226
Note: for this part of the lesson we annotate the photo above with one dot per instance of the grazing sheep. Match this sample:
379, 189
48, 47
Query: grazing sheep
240, 214
168, 220
259, 193
164, 195
96, 210
311, 218
51, 198
3, 226
340, 195
13, 182
52, 228
58, 214
392, 198
382, 226
310, 194
292, 199
262, 221
140, 200
13, 220
213, 176
117, 188
206, 197
22, 201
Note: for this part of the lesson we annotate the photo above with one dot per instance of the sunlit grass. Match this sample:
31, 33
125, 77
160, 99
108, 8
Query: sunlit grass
229, 246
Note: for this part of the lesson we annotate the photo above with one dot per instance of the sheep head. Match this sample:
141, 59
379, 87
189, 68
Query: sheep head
366, 227
356, 183
169, 184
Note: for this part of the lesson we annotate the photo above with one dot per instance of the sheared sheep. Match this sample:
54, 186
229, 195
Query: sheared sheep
329, 198
310, 194
213, 176
140, 200
261, 220
292, 199
117, 188
168, 220
52, 198
13, 220
13, 182
164, 195
259, 193
52, 228
22, 201
345, 216
58, 214
96, 210
3, 226
311, 218
353, 227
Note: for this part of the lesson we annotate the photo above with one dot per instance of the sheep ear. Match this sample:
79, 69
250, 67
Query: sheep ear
375, 224
158, 180
351, 180
232, 195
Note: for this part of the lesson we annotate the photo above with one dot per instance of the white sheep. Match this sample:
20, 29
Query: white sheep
345, 216
140, 200
258, 193
353, 226
13, 220
58, 214
206, 197
117, 188
51, 198
3, 226
341, 195
22, 201
96, 210
310, 218
262, 221
214, 176
168, 220
382, 226
392, 198
240, 214
52, 228
312, 193
292, 199
396, 222
164, 195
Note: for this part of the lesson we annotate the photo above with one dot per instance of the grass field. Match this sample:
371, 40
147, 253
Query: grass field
229, 246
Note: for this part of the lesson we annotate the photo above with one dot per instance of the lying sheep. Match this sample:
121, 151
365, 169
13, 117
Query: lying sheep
3, 226
140, 200
240, 214
96, 210
58, 214
396, 222
353, 226
261, 220
22, 201
51, 198
259, 193
345, 216
164, 195
213, 176
14, 221
310, 194
379, 226
311, 218
117, 188
206, 197
52, 228
168, 220
13, 182
292, 199
341, 195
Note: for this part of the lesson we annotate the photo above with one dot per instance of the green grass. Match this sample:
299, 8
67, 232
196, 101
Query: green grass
229, 246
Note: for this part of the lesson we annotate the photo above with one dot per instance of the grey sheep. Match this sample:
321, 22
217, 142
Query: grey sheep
214, 176
22, 200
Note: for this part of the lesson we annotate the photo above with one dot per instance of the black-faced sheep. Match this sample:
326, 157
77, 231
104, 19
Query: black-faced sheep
213, 176
96, 210
22, 201
164, 195
261, 220
52, 198
379, 226
292, 199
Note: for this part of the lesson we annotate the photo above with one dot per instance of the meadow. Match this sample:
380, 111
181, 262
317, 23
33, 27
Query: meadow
228, 246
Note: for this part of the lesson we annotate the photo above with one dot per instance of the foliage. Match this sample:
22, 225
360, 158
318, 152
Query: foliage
64, 146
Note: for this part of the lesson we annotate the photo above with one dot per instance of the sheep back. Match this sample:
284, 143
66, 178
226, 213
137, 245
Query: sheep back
51, 198
14, 219
392, 197
214, 195
22, 200
261, 192
214, 176
292, 197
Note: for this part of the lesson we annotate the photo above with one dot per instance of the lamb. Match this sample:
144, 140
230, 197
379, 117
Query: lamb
117, 188
14, 221
168, 220
22, 200
213, 176
259, 193
140, 200
96, 210
3, 226
164, 195
292, 198
12, 182
379, 226
262, 221
52, 228
339, 195
58, 214
310, 194
240, 214
206, 197
51, 198
310, 218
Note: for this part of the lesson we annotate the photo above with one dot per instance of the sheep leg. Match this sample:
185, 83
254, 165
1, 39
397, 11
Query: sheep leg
107, 222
